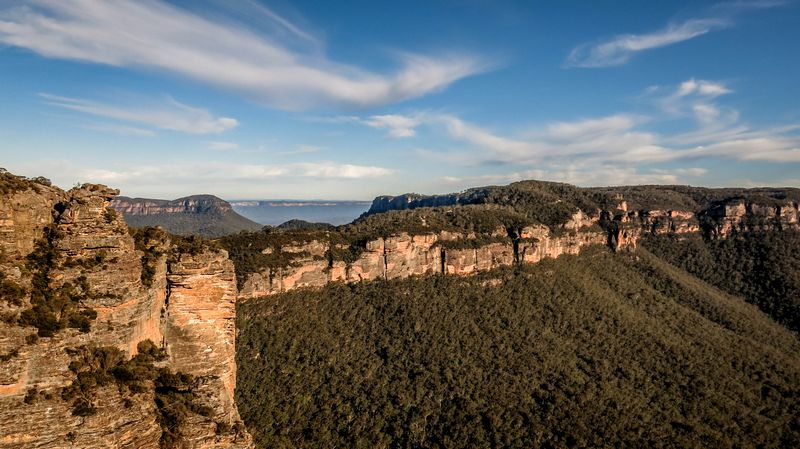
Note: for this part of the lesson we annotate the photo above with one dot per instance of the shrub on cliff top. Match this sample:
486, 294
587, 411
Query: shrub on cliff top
10, 183
192, 245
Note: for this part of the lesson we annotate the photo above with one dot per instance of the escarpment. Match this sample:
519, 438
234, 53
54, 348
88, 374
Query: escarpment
315, 263
204, 215
430, 247
190, 204
81, 299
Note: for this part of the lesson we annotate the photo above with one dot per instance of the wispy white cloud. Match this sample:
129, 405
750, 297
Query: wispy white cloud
621, 140
398, 126
163, 37
701, 87
121, 129
696, 98
213, 172
223, 146
347, 171
619, 49
167, 114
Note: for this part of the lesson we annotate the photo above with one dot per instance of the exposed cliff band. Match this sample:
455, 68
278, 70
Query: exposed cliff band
61, 380
407, 254
204, 215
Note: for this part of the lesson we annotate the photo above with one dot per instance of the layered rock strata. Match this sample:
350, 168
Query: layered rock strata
187, 307
190, 204
404, 255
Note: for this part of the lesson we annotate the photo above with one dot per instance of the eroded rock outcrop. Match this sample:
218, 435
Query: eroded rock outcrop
404, 255
200, 339
726, 217
75, 278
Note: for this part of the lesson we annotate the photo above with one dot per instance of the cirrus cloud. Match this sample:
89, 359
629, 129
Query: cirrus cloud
620, 49
167, 115
166, 38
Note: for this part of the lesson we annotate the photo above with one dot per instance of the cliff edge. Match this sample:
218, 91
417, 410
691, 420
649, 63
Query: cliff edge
109, 338
205, 215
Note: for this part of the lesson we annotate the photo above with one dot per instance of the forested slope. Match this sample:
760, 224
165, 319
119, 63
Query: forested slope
596, 350
762, 267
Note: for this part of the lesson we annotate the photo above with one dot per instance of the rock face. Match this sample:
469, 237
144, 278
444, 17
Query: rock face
23, 217
403, 255
188, 307
191, 204
200, 338
413, 201
724, 218
201, 313
204, 215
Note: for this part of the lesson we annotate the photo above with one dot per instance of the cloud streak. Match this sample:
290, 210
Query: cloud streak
223, 146
398, 126
214, 172
620, 49
620, 139
163, 37
168, 115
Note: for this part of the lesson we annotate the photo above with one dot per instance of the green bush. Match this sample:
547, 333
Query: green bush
152, 241
10, 292
96, 367
9, 355
10, 183
110, 215
53, 309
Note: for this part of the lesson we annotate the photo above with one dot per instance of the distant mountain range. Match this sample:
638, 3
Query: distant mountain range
205, 215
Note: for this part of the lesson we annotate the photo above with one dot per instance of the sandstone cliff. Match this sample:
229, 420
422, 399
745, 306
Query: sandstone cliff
191, 204
72, 286
204, 215
403, 254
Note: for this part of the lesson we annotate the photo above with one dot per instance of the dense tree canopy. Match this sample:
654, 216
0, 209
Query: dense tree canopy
596, 350
762, 267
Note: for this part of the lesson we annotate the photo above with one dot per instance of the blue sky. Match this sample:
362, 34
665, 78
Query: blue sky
348, 100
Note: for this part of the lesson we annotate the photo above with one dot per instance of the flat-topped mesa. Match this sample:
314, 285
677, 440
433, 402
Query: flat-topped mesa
412, 201
204, 215
190, 204
79, 282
